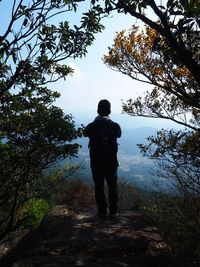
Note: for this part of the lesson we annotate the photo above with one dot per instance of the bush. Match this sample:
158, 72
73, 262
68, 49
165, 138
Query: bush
128, 194
178, 219
76, 193
33, 211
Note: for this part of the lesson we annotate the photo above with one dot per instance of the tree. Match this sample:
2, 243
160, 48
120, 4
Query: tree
166, 55
177, 22
34, 133
144, 57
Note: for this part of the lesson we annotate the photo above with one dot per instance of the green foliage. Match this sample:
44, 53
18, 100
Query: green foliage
177, 217
178, 158
35, 134
33, 212
140, 205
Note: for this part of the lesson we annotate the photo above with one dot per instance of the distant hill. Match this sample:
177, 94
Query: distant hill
132, 166
128, 141
127, 121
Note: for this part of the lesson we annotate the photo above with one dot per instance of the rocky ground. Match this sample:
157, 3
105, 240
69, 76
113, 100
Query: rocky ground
76, 237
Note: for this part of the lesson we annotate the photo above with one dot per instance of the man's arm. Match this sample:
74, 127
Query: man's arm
118, 130
87, 130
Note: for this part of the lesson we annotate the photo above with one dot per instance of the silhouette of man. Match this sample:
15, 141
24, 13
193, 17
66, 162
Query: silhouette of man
103, 134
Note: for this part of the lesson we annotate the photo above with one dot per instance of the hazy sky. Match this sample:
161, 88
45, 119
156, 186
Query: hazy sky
92, 80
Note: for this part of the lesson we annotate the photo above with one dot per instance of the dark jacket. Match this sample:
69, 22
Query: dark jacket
103, 134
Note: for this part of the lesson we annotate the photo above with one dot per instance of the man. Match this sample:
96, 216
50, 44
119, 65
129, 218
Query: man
103, 134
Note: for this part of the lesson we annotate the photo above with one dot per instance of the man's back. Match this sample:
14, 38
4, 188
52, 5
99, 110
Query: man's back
103, 134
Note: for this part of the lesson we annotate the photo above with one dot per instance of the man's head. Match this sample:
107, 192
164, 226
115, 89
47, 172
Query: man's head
104, 107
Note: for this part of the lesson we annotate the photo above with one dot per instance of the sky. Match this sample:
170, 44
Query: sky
93, 80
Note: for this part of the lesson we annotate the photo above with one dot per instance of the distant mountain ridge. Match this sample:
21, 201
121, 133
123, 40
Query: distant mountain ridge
132, 165
127, 121
128, 141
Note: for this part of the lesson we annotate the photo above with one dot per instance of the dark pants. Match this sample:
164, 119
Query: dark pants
100, 174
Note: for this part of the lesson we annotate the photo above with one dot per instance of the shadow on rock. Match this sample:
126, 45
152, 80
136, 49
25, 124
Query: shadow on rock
75, 237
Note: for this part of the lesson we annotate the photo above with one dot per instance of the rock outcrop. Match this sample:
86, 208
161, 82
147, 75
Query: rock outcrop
75, 237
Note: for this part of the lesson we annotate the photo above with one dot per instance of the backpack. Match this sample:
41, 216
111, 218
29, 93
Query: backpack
103, 136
